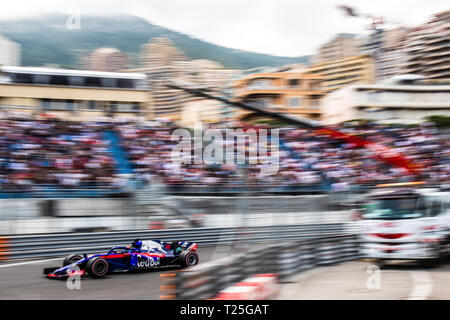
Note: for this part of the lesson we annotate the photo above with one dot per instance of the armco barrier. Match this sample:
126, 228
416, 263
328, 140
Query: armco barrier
4, 248
207, 280
258, 287
53, 245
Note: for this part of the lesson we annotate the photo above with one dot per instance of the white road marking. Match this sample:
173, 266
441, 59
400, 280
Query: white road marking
288, 290
28, 262
422, 285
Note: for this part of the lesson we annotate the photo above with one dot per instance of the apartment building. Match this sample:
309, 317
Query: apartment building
163, 62
158, 60
214, 77
392, 57
402, 99
284, 91
428, 49
10, 52
336, 74
160, 52
163, 102
342, 46
106, 59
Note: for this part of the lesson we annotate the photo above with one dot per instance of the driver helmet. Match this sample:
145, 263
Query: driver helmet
137, 244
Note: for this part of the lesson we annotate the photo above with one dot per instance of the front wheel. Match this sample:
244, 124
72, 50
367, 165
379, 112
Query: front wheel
431, 263
72, 259
97, 267
435, 262
188, 258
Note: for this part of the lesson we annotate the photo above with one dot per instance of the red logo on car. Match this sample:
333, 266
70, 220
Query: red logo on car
387, 224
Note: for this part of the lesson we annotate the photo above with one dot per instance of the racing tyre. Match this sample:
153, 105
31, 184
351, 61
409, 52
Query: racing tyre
97, 267
435, 262
431, 263
188, 258
72, 258
380, 263
447, 248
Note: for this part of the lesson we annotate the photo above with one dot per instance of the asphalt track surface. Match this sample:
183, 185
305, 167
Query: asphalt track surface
24, 280
344, 281
356, 280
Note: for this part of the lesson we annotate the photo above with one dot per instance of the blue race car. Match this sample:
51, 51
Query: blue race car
141, 255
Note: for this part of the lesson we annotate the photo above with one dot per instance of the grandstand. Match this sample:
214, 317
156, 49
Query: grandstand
54, 157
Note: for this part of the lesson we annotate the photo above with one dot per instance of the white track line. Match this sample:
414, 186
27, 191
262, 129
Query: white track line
422, 285
289, 290
28, 262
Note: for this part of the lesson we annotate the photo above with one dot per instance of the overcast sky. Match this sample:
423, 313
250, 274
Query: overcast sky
280, 27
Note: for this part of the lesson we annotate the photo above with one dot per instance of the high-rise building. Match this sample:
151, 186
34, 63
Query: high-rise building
10, 52
211, 75
342, 46
387, 49
339, 73
428, 48
106, 59
392, 58
163, 62
160, 52
284, 90
166, 102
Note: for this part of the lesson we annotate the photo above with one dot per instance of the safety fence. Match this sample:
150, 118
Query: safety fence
208, 280
53, 245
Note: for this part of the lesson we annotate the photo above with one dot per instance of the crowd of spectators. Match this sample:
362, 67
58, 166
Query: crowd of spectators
342, 165
150, 150
36, 153
66, 154
150, 147
305, 157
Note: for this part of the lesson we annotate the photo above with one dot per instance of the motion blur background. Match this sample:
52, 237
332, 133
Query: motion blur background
86, 114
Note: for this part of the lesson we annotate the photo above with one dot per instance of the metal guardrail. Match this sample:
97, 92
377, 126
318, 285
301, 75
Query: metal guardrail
240, 189
205, 281
38, 246
57, 191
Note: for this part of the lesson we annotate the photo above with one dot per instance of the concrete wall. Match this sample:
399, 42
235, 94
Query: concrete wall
80, 207
92, 207
384, 102
26, 216
61, 225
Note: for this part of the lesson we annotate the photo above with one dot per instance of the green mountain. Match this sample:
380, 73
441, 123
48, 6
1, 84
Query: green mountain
47, 39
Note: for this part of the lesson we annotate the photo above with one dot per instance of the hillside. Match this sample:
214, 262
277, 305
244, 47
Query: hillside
47, 40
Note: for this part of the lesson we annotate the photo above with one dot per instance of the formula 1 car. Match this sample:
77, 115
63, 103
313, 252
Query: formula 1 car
141, 255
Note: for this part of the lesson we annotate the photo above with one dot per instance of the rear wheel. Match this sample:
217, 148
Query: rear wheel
435, 262
431, 263
188, 258
379, 262
72, 258
446, 248
97, 267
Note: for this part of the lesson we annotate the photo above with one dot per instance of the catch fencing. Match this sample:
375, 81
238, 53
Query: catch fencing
54, 245
205, 281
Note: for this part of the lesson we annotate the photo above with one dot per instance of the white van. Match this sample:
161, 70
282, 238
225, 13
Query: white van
406, 224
